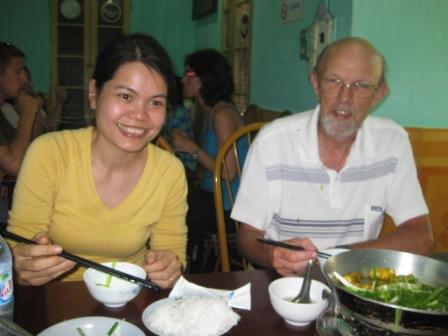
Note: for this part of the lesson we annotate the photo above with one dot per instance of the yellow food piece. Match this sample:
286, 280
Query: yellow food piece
383, 274
353, 277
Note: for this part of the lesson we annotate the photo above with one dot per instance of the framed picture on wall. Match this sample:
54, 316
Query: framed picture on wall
203, 8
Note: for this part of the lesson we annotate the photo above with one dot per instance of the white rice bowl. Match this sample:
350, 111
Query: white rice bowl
190, 316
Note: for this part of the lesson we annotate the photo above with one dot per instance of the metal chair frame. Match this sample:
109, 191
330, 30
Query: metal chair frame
221, 172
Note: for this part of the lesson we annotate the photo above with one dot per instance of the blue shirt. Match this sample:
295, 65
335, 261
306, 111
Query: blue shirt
179, 119
210, 146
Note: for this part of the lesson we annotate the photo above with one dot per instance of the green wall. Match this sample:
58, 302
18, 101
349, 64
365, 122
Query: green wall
21, 21
412, 35
279, 78
170, 22
26, 23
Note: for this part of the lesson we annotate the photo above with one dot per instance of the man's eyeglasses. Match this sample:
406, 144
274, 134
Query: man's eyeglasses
357, 89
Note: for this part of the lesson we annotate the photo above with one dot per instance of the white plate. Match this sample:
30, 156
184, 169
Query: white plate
153, 306
148, 310
92, 326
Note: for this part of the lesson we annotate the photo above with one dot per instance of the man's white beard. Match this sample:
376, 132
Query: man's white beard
338, 129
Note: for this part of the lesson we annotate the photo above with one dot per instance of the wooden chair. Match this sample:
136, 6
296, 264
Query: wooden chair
221, 174
430, 148
161, 142
255, 114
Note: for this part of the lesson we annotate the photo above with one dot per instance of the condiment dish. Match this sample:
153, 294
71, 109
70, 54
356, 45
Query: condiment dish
281, 292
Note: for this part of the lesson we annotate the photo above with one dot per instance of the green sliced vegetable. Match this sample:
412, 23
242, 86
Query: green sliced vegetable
407, 292
112, 329
80, 331
109, 277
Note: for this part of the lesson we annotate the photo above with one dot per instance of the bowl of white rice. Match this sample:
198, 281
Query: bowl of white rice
193, 315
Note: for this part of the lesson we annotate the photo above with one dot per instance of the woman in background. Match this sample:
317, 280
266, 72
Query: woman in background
179, 119
104, 192
208, 80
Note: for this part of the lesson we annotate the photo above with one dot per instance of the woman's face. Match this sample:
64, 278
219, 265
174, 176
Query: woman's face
191, 84
131, 107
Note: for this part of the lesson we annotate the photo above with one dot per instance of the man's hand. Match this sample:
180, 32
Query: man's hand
27, 105
286, 262
290, 262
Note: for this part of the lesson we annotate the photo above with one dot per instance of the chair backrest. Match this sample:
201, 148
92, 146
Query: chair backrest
222, 184
254, 114
161, 142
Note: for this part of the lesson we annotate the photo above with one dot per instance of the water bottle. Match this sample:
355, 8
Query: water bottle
6, 284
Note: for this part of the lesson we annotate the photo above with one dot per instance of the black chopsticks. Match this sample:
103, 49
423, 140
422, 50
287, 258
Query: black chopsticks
290, 247
88, 263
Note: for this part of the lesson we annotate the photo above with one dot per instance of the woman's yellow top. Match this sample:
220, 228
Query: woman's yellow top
55, 193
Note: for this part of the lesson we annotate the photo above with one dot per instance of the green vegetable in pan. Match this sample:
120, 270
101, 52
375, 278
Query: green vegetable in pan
406, 291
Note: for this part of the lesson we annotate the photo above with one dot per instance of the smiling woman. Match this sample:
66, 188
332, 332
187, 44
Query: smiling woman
105, 192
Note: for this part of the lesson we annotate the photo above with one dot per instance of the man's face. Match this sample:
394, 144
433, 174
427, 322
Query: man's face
343, 111
13, 79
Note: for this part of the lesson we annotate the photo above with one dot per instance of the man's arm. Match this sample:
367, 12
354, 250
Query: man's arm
250, 249
414, 235
11, 154
286, 262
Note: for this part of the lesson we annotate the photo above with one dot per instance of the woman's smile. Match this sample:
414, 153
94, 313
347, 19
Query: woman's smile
132, 131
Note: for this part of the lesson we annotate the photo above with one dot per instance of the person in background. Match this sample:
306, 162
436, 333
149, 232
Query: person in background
179, 120
14, 141
49, 119
208, 80
45, 120
327, 177
13, 82
105, 192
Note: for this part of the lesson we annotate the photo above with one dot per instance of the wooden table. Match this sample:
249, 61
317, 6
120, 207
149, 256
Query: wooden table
37, 308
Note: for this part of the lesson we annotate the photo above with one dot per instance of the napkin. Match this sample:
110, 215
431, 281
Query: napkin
237, 298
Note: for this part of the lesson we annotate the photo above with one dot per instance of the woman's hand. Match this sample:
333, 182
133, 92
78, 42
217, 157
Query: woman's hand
163, 267
38, 264
182, 143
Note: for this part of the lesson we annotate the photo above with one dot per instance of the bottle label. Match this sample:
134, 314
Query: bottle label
6, 288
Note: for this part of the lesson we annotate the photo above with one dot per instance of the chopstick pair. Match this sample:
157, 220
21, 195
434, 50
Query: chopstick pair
88, 263
290, 247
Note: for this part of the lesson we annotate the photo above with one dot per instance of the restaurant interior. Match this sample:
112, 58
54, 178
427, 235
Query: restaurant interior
271, 45
272, 73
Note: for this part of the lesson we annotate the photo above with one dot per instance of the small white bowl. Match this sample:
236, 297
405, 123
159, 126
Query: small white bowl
332, 252
282, 290
119, 291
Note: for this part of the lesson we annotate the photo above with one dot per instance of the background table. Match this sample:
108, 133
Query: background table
37, 308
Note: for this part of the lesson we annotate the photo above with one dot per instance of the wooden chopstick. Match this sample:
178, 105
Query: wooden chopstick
88, 263
290, 247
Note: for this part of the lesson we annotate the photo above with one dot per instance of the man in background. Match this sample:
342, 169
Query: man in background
13, 81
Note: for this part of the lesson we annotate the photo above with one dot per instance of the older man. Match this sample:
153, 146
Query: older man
326, 177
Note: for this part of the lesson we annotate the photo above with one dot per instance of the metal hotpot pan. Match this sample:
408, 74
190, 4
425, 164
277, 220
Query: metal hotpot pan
382, 315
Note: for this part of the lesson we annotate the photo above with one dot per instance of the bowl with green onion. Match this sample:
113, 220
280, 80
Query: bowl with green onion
110, 290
